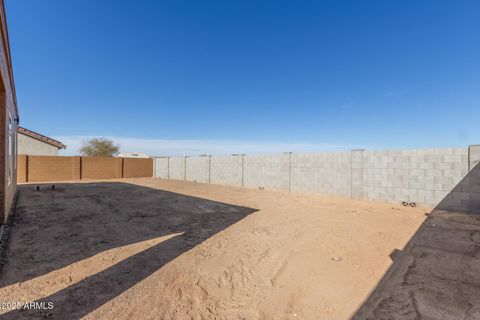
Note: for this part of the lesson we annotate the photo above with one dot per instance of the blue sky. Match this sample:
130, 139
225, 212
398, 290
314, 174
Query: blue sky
189, 77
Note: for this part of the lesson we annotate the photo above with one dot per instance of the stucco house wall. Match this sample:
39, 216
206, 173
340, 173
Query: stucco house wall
30, 146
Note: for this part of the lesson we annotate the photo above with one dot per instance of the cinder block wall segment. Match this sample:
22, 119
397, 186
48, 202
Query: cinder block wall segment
185, 168
177, 168
226, 170
266, 172
473, 156
465, 195
243, 170
423, 176
197, 169
326, 173
289, 171
209, 169
357, 172
161, 168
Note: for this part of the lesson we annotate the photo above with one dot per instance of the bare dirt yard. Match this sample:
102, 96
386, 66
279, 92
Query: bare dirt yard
154, 249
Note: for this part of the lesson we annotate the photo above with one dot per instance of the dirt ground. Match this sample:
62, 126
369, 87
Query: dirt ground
155, 249
437, 276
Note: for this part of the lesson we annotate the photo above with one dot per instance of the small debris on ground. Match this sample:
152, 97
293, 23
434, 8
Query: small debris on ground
357, 211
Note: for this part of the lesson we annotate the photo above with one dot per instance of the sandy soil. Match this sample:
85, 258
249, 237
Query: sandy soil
435, 277
151, 249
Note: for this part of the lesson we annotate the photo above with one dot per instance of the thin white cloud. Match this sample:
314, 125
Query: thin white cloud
393, 94
171, 147
389, 94
347, 105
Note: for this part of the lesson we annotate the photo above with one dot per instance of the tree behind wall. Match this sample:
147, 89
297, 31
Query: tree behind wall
99, 147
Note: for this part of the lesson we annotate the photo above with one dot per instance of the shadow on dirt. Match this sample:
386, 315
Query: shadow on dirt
436, 275
56, 228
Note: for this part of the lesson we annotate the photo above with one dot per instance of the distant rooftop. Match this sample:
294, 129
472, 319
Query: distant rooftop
41, 137
133, 155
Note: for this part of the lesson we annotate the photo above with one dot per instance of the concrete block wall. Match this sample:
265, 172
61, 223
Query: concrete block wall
161, 167
465, 195
227, 170
423, 176
326, 173
357, 174
177, 168
473, 155
267, 171
198, 169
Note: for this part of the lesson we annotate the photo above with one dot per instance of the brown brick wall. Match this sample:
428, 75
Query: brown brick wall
51, 168
120, 168
22, 168
136, 168
77, 168
101, 168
